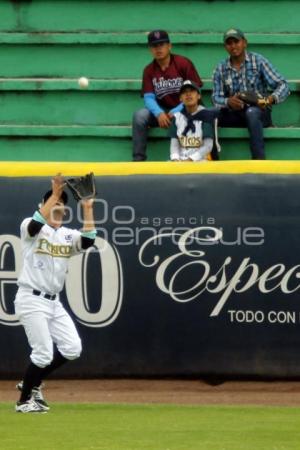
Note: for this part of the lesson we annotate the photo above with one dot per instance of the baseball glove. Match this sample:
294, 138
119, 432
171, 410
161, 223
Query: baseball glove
82, 188
251, 98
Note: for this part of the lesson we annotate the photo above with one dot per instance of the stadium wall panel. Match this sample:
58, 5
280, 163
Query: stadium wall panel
193, 273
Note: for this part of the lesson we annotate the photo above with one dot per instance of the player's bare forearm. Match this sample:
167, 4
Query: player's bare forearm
88, 214
46, 208
58, 185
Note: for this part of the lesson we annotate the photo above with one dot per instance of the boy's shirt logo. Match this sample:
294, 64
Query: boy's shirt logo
190, 141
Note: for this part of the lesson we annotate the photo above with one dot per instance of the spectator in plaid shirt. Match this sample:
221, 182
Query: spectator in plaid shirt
244, 71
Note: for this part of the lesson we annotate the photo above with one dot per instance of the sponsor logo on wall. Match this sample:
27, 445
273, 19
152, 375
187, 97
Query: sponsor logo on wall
178, 264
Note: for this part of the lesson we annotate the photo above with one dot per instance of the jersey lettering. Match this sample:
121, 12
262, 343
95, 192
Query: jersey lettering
190, 141
164, 87
60, 251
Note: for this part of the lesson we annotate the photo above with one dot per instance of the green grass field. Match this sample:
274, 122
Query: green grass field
151, 427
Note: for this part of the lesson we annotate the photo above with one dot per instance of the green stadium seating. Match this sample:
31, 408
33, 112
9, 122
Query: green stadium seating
45, 46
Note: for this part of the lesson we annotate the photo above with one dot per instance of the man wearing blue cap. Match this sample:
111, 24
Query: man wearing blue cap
242, 72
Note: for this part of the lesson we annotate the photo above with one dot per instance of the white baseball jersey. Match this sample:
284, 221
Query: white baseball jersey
46, 256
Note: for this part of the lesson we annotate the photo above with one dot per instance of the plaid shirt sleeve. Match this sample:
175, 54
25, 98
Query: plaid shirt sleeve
274, 80
218, 95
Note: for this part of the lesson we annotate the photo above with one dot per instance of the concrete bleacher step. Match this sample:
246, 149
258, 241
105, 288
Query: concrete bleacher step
60, 101
113, 143
130, 15
105, 84
124, 131
70, 54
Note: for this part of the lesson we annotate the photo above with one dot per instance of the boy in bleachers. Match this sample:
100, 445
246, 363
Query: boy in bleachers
192, 127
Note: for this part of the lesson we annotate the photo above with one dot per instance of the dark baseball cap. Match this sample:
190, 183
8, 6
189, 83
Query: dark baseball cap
157, 37
233, 33
64, 197
188, 84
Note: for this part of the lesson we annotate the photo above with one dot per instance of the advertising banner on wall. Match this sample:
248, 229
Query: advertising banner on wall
190, 275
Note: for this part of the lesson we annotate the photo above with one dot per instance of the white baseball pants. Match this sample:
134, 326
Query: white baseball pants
46, 322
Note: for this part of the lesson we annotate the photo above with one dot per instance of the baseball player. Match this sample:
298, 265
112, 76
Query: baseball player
192, 128
46, 249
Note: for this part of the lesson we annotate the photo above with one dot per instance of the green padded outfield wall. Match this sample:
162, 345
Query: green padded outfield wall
46, 45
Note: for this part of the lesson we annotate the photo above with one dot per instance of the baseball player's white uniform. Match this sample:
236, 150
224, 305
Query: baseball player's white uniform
47, 247
37, 304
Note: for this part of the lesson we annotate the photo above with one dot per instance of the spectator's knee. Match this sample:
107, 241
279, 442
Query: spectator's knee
253, 113
140, 117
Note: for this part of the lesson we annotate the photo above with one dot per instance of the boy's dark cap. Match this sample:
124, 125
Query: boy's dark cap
233, 33
188, 84
157, 37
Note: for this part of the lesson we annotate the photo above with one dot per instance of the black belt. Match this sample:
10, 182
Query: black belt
47, 296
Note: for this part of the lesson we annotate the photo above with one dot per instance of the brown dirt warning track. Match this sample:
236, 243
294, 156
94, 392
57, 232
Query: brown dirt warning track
194, 392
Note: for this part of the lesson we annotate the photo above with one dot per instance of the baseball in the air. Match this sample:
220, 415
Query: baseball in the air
83, 82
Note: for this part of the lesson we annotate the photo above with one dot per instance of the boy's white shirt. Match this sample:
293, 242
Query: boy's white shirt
192, 146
